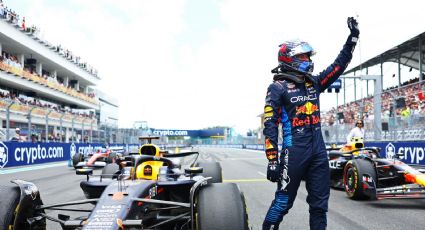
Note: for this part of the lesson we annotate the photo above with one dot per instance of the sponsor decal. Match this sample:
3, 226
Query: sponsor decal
170, 132
103, 218
152, 192
268, 144
297, 122
3, 155
331, 74
32, 154
268, 111
390, 151
308, 84
147, 170
367, 179
271, 155
410, 154
290, 85
285, 177
310, 97
308, 108
334, 164
72, 149
293, 90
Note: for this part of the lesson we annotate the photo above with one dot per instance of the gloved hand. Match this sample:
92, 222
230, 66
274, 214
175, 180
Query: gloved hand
273, 171
273, 168
353, 25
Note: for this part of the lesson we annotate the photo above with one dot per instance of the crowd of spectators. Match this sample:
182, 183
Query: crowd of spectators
13, 18
12, 60
409, 101
30, 101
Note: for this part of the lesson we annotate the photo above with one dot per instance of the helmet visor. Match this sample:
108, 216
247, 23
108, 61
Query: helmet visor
302, 48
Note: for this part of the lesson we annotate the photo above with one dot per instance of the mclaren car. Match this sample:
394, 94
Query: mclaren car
149, 190
364, 174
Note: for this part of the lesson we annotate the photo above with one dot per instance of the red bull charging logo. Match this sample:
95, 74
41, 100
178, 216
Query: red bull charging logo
308, 108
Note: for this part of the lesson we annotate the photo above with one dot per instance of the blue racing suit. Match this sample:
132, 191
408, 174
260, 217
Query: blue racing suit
303, 156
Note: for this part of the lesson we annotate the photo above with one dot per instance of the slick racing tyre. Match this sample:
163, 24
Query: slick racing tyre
221, 206
78, 157
9, 198
354, 173
109, 170
212, 169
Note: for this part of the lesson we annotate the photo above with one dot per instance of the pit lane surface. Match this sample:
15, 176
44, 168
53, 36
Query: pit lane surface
247, 168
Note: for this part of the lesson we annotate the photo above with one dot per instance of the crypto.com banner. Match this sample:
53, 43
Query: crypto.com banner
19, 154
412, 152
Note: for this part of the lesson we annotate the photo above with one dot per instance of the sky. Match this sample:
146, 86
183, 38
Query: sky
192, 64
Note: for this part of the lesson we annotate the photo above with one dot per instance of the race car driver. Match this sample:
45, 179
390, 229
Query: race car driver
293, 100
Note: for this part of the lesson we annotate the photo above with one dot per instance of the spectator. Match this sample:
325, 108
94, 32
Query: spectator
34, 138
405, 113
17, 136
357, 131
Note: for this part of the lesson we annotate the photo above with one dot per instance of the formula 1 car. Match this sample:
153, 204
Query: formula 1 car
140, 195
97, 159
364, 174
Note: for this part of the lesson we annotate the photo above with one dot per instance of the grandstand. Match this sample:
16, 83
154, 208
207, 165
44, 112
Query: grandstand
402, 106
45, 90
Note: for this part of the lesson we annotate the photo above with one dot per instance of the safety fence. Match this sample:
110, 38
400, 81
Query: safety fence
45, 123
411, 128
400, 111
413, 152
24, 154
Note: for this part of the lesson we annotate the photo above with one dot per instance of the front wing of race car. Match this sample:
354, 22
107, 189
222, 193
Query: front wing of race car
409, 191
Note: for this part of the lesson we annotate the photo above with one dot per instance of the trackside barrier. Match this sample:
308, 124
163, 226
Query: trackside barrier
20, 154
413, 152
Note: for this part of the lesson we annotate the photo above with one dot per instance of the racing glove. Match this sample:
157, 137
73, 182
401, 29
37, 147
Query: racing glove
353, 25
273, 167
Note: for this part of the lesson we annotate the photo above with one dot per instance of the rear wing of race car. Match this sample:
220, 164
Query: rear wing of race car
149, 138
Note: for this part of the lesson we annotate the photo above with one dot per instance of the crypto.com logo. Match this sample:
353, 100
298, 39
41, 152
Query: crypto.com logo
73, 149
390, 151
3, 155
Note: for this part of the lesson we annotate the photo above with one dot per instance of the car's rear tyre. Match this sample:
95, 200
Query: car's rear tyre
78, 157
221, 206
109, 170
212, 169
9, 198
354, 171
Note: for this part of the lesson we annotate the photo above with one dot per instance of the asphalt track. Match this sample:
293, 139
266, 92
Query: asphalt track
59, 183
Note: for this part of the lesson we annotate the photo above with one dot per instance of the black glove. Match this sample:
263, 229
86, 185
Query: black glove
353, 25
273, 168
273, 171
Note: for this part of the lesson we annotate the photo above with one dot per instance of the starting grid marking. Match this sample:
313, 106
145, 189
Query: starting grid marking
249, 180
246, 180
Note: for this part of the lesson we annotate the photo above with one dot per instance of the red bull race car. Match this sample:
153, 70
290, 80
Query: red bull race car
147, 191
364, 174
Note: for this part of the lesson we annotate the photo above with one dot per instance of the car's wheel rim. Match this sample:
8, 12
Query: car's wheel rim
350, 180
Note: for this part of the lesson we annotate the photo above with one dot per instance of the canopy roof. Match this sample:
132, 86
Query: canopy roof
409, 55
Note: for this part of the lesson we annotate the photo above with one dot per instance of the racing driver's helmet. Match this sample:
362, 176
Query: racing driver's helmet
289, 60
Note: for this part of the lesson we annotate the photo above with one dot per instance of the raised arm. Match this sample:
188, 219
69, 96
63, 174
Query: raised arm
332, 72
